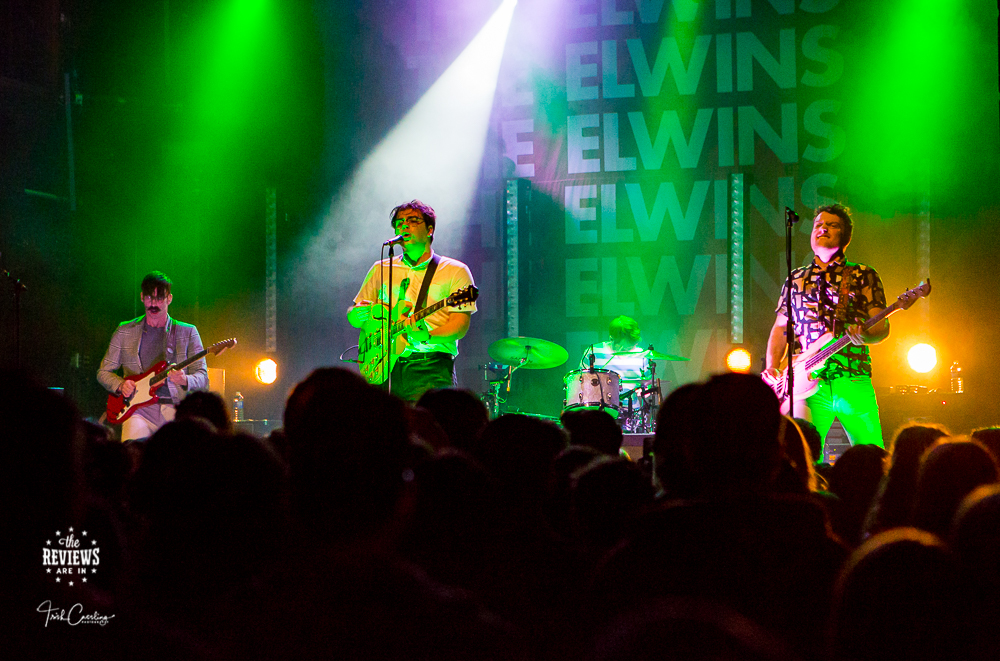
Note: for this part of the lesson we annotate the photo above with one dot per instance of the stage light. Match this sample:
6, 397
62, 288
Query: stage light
266, 371
738, 360
434, 153
922, 358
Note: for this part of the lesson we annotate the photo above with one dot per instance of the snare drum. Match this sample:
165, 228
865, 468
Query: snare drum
592, 389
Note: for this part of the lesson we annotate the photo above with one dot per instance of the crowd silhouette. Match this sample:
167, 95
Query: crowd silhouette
369, 529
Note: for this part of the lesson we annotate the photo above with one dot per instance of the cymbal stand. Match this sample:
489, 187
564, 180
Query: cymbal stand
499, 380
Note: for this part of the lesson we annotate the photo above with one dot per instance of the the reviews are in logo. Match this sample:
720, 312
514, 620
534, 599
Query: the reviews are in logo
71, 559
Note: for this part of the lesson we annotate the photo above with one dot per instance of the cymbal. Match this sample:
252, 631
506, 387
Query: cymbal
528, 352
656, 355
650, 354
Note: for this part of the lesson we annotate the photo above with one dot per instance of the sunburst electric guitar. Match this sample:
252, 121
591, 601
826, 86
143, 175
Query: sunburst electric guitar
121, 408
810, 361
378, 351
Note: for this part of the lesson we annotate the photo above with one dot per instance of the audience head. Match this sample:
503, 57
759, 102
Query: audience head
895, 599
41, 479
607, 493
735, 449
461, 414
797, 453
518, 451
676, 424
813, 438
594, 429
208, 405
348, 447
989, 438
975, 538
948, 474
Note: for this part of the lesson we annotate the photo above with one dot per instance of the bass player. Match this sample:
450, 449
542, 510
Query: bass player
433, 340
832, 295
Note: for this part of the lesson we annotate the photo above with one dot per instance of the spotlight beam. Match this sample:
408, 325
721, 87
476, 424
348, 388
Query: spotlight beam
434, 153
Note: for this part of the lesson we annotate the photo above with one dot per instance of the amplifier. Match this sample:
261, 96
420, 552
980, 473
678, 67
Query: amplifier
633, 445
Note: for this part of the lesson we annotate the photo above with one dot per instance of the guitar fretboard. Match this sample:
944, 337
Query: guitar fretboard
820, 356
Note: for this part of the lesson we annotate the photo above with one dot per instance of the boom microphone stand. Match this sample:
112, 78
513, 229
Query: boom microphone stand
790, 219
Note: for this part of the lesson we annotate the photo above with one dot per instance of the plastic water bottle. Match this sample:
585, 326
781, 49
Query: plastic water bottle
956, 378
238, 408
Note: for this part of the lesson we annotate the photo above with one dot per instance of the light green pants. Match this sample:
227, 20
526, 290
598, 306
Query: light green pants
852, 400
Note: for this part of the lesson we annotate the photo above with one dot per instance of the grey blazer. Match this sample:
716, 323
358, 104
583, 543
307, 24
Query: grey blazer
123, 352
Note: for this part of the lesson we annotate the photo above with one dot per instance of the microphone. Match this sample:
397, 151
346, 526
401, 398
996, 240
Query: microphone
592, 358
393, 240
791, 217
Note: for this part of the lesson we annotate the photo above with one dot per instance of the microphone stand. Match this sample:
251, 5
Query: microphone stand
790, 219
389, 342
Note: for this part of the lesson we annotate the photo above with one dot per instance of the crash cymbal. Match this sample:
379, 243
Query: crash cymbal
656, 355
528, 352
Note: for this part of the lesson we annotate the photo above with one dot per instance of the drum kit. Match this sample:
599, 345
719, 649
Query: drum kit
633, 403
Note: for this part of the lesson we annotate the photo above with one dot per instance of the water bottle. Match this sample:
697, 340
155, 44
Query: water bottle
238, 408
956, 378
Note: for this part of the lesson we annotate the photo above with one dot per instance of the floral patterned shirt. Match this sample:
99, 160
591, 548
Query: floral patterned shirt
815, 295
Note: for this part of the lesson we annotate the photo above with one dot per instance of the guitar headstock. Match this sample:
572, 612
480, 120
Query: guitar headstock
910, 296
467, 294
219, 347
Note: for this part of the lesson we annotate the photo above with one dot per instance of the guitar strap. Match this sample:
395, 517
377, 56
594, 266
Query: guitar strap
425, 285
840, 313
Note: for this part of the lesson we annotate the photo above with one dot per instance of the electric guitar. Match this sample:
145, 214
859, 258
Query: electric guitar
811, 360
121, 408
378, 352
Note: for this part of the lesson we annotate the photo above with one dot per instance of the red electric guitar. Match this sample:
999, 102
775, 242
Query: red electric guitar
121, 408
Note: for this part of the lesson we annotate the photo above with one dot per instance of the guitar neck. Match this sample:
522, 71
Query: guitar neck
397, 327
844, 340
163, 375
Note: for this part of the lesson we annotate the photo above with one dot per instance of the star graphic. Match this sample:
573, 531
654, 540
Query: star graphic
48, 542
84, 533
93, 542
71, 582
94, 570
84, 580
58, 533
48, 571
71, 530
58, 580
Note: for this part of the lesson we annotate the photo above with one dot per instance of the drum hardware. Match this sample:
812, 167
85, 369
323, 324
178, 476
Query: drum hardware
511, 354
593, 389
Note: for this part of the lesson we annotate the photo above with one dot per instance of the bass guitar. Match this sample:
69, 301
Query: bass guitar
378, 349
811, 360
121, 408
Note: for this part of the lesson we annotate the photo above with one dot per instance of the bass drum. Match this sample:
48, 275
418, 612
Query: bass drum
592, 389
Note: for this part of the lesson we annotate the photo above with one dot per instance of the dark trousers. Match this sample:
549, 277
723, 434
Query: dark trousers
417, 373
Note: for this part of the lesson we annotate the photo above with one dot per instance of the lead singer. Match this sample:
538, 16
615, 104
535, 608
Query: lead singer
434, 339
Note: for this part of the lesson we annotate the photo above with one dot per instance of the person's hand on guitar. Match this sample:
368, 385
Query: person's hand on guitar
127, 388
415, 333
773, 373
178, 378
856, 333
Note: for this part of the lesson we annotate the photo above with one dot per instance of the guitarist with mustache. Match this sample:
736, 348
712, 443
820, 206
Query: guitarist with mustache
823, 302
139, 344
434, 339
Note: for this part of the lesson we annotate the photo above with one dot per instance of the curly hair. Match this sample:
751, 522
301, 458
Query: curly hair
430, 218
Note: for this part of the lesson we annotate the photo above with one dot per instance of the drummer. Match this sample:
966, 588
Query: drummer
620, 354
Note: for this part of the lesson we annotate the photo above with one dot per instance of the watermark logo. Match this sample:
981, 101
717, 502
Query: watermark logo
69, 559
73, 616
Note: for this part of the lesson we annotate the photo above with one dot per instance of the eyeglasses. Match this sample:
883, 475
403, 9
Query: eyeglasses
410, 222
